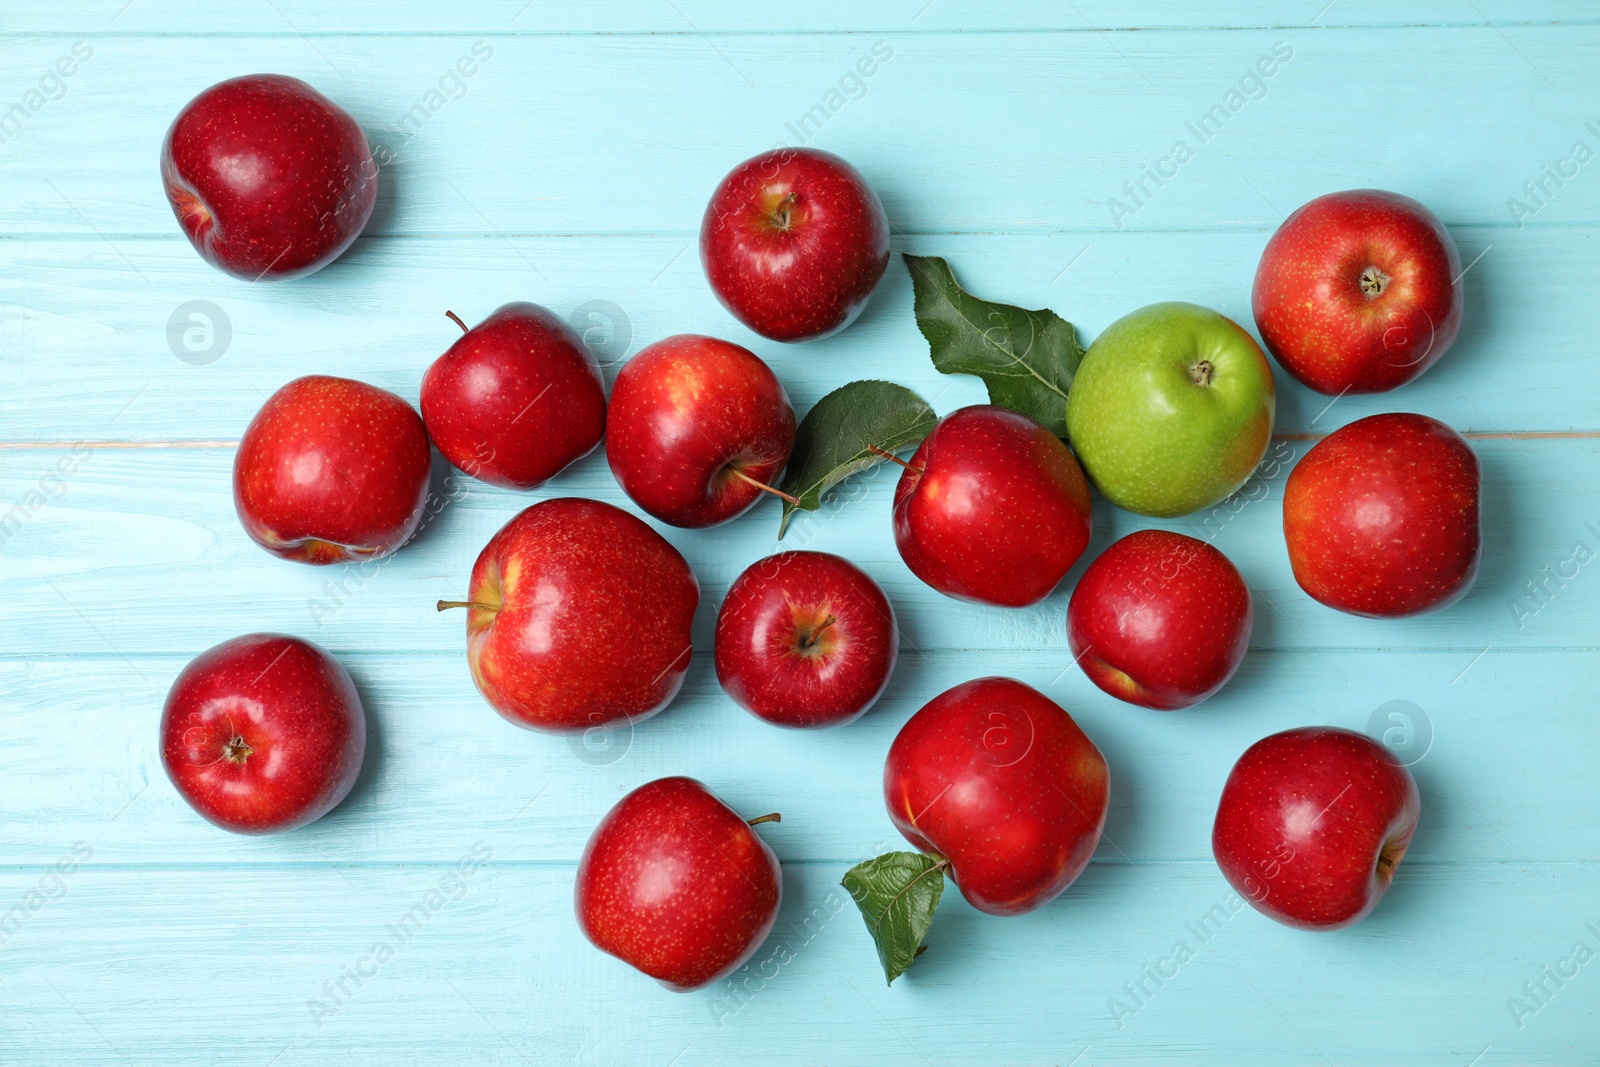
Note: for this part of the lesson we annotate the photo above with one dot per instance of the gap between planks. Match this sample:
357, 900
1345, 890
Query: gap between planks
1412, 861
1549, 23
900, 231
1475, 435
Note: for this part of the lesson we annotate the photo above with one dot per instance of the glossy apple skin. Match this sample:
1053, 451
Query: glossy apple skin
1313, 823
781, 659
1382, 517
581, 619
268, 178
1359, 292
263, 733
516, 399
332, 470
687, 413
993, 508
1160, 619
676, 884
996, 777
793, 242
1171, 409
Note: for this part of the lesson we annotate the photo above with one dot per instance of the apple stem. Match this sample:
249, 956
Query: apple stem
446, 605
765, 488
780, 214
453, 317
758, 820
811, 638
886, 454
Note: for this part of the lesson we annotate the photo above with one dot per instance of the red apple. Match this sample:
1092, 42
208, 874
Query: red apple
996, 778
1313, 823
332, 470
515, 399
793, 243
1160, 620
1381, 517
992, 508
578, 617
263, 733
677, 884
698, 429
1359, 292
805, 639
268, 178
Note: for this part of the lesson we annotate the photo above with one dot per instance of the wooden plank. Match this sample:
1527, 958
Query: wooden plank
285, 17
84, 761
239, 967
146, 543
603, 134
178, 352
571, 168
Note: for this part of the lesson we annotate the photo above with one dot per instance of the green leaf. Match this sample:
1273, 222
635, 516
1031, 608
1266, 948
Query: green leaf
1026, 358
831, 441
897, 894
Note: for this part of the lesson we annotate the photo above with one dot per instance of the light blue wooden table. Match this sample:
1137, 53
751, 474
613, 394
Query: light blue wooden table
571, 169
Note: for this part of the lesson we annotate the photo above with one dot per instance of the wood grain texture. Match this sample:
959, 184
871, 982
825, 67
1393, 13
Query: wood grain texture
571, 169
1033, 132
147, 966
101, 351
284, 17
443, 764
146, 543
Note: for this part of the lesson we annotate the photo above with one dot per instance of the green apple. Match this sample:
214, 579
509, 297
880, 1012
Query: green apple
1171, 409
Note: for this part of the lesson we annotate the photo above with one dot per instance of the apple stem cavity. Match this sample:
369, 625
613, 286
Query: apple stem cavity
886, 454
446, 605
1389, 857
453, 317
759, 819
781, 213
812, 637
1373, 283
765, 488
1203, 372
193, 207
236, 750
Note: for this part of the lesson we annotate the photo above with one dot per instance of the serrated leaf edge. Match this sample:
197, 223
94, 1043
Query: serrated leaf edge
939, 866
859, 461
913, 264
